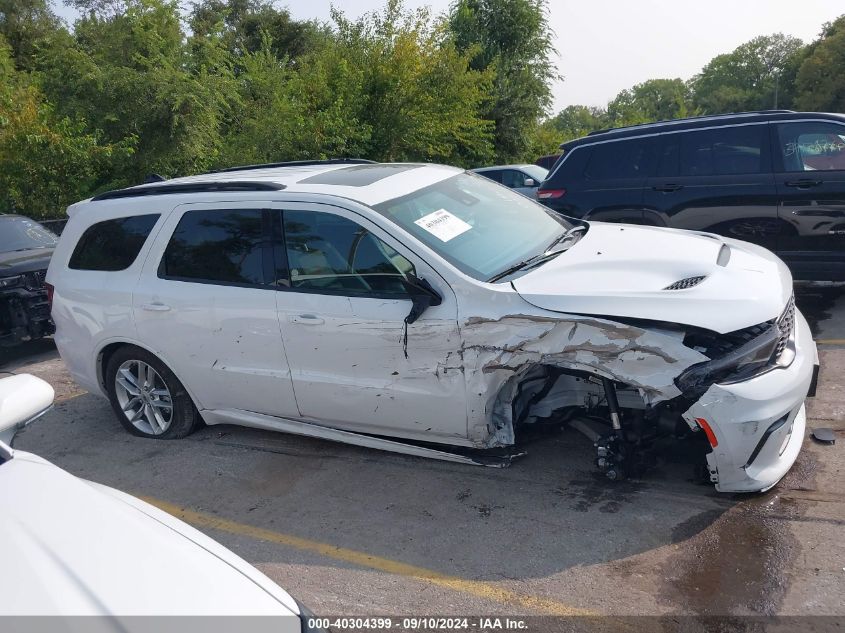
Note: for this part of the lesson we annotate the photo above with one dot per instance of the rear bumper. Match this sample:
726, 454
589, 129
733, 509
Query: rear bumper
758, 424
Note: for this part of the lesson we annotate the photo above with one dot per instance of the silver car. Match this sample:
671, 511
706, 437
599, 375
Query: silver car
523, 178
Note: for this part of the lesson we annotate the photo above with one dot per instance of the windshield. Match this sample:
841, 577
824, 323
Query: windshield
23, 234
536, 172
481, 227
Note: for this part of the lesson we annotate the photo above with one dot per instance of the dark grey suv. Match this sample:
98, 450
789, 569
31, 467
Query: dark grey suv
775, 178
25, 251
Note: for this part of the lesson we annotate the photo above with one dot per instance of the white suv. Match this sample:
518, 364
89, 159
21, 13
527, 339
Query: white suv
357, 301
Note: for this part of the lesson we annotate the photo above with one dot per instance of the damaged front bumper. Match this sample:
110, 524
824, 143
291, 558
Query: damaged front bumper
25, 310
756, 426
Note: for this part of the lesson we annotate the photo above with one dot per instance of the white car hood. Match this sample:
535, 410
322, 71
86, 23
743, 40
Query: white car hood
69, 547
619, 270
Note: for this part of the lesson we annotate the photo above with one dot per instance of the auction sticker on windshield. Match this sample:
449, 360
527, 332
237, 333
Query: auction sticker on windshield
443, 225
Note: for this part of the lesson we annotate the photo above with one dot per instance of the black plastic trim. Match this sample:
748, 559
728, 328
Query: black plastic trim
814, 383
774, 427
298, 163
192, 187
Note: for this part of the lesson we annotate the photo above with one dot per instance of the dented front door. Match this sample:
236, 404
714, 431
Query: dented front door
341, 310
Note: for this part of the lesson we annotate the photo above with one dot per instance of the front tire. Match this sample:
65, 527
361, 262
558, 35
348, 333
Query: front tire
147, 397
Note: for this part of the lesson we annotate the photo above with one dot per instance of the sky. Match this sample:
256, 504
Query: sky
605, 46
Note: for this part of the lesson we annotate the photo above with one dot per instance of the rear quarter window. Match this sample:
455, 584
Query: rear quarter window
620, 160
112, 245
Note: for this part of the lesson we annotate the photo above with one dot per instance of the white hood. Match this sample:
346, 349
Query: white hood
619, 270
69, 547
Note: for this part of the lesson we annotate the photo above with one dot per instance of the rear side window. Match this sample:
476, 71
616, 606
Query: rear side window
812, 146
113, 244
720, 152
221, 246
620, 159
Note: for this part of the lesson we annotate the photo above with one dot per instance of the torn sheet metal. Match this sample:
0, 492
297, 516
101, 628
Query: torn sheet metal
501, 351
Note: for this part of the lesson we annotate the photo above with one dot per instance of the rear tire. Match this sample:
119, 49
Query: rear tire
147, 398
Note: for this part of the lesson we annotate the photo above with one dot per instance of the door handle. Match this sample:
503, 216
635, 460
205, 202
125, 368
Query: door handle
804, 183
306, 319
155, 307
668, 188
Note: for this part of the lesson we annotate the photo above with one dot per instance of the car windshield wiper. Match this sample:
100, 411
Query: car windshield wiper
546, 255
526, 263
565, 235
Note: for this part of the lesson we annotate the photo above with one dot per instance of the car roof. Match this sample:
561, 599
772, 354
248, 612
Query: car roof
691, 123
368, 183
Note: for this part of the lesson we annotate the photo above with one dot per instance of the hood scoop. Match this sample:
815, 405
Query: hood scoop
683, 284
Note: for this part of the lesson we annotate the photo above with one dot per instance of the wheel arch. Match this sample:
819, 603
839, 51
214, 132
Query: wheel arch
107, 350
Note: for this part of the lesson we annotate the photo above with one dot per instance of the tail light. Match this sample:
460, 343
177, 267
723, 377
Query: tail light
49, 295
550, 194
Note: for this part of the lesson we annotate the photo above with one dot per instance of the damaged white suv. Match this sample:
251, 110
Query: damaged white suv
355, 301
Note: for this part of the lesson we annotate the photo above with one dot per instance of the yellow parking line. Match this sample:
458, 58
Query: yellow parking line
831, 341
476, 588
70, 396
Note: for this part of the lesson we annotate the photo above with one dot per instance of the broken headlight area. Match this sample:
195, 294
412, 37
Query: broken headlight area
739, 355
24, 308
628, 435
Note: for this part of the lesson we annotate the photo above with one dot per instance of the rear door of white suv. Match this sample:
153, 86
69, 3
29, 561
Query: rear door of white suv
205, 303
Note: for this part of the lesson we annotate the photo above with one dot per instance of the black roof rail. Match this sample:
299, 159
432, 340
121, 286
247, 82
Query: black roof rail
298, 163
689, 118
188, 187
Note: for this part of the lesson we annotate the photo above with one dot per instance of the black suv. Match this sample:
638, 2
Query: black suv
25, 251
775, 178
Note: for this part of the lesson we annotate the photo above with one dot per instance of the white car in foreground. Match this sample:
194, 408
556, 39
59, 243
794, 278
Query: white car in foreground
71, 547
355, 301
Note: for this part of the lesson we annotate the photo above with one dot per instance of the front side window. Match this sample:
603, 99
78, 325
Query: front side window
512, 178
480, 228
23, 234
217, 246
812, 146
112, 245
719, 152
332, 254
620, 159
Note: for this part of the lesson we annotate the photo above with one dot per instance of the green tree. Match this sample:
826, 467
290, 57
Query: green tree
652, 100
512, 38
25, 25
310, 112
46, 161
247, 22
821, 78
129, 75
576, 121
757, 75
421, 98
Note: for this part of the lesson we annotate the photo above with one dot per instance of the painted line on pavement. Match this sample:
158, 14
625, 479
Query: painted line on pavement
475, 588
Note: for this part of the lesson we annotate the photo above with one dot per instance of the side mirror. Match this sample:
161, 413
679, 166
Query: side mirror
23, 398
422, 295
530, 182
